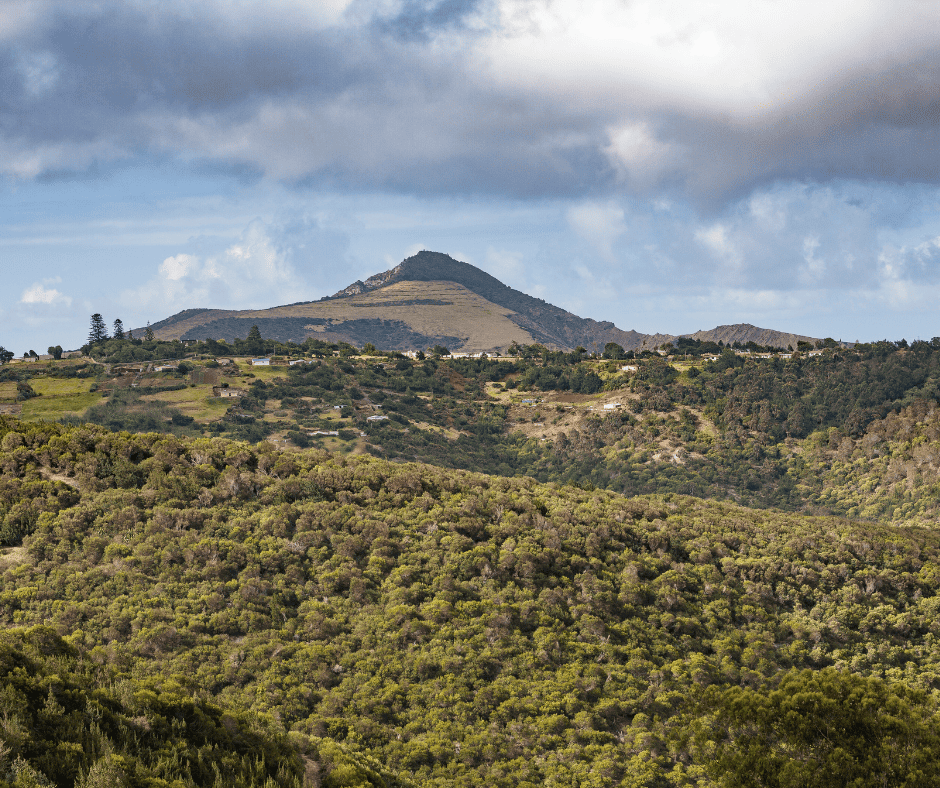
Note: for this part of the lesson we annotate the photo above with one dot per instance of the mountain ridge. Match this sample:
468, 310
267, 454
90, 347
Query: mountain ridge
439, 300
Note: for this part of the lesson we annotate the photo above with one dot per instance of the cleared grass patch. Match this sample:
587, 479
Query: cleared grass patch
61, 387
53, 408
197, 402
7, 391
263, 373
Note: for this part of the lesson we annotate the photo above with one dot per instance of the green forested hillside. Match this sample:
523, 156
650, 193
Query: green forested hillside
797, 434
466, 629
69, 719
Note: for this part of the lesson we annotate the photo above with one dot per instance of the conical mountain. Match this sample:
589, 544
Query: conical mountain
428, 299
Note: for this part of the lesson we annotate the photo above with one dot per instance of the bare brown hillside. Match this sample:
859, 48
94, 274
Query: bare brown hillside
430, 299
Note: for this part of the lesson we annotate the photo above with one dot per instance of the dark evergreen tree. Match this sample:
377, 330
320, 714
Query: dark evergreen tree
254, 344
148, 334
118, 329
98, 331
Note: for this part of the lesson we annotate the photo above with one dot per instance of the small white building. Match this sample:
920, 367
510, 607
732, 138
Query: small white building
261, 362
629, 368
166, 368
377, 418
297, 361
611, 405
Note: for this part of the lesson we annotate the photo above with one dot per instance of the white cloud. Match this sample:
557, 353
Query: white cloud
815, 266
640, 158
40, 294
256, 271
175, 268
600, 224
717, 239
40, 72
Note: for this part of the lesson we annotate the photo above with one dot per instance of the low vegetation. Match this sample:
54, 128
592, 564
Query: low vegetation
464, 629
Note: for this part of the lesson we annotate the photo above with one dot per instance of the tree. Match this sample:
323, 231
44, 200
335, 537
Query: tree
98, 331
821, 728
369, 349
148, 334
55, 351
439, 350
613, 350
5, 355
118, 329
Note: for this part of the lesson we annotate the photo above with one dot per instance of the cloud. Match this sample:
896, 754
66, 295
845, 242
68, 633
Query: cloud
709, 101
269, 264
598, 223
40, 294
175, 268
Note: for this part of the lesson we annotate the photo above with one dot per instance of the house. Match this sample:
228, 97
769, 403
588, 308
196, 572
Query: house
377, 418
166, 368
611, 405
323, 432
219, 391
261, 362
629, 368
297, 361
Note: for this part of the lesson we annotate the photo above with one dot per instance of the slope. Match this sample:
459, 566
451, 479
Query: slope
468, 630
429, 299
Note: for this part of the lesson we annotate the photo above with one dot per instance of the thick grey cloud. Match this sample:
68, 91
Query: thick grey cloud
480, 96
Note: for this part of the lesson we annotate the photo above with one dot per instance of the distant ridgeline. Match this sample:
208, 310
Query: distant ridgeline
431, 299
202, 612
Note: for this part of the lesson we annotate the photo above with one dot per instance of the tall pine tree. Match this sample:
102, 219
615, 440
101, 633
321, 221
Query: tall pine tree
98, 331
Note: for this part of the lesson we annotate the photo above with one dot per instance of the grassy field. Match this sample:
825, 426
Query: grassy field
195, 401
60, 387
7, 391
54, 408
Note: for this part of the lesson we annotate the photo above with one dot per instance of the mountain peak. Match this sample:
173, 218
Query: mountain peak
425, 266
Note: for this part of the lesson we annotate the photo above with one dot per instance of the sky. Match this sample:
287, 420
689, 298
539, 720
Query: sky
669, 165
